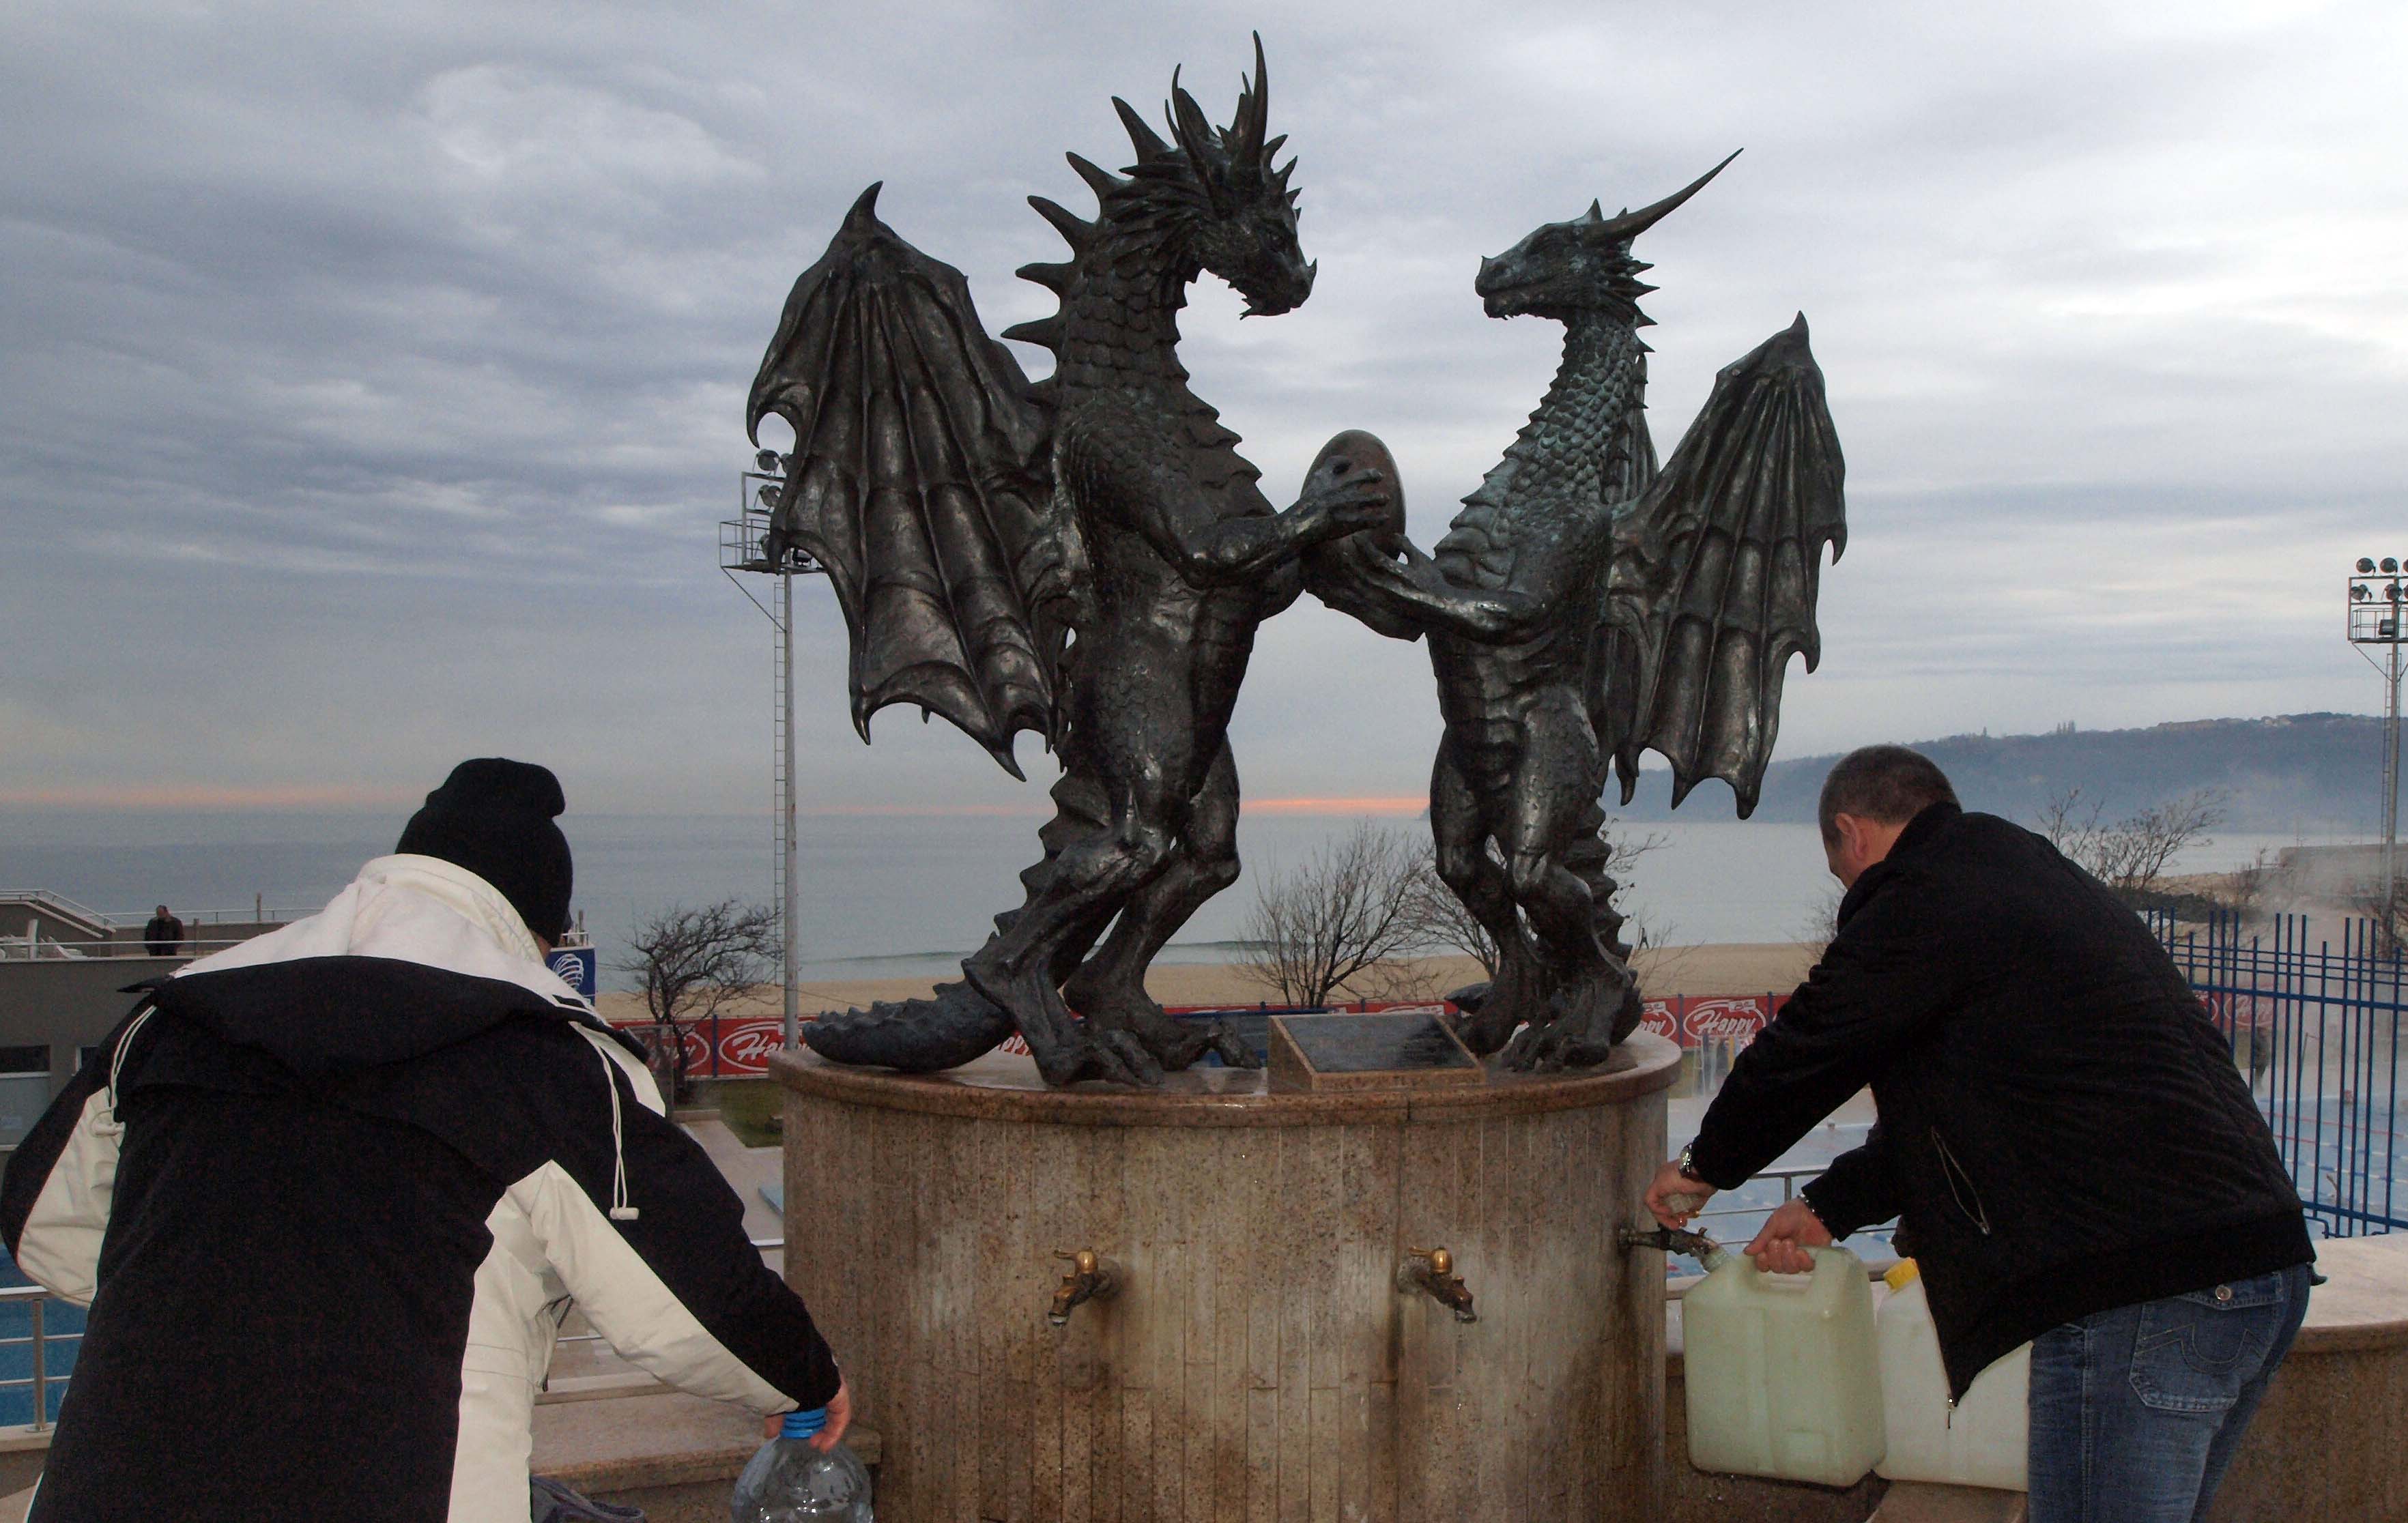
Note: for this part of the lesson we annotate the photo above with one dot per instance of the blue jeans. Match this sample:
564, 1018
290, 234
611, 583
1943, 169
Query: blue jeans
2136, 1412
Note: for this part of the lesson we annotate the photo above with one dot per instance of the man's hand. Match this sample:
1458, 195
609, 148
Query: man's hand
840, 1417
1673, 1197
1781, 1247
839, 1412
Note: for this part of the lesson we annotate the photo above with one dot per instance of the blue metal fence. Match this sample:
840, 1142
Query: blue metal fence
2316, 1027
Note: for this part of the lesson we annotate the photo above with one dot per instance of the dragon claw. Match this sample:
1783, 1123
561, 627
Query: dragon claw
1551, 1048
1586, 1020
1231, 1047
1110, 1057
1518, 994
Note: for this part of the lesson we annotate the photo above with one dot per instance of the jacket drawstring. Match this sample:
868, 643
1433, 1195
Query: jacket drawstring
113, 1127
620, 1209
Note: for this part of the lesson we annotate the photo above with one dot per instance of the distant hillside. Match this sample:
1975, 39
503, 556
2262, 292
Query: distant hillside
2310, 774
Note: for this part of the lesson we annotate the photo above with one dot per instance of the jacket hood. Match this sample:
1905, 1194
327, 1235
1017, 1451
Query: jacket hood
416, 955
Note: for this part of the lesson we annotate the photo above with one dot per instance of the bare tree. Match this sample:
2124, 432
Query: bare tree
2264, 888
694, 962
2389, 919
1343, 914
1821, 922
2132, 854
1442, 920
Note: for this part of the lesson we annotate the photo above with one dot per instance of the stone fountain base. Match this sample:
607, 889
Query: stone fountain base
1257, 1360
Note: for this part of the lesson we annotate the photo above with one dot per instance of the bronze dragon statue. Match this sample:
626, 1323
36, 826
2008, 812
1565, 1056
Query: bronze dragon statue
1583, 608
1086, 557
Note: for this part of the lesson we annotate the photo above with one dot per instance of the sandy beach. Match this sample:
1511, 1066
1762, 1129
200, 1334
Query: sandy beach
1745, 968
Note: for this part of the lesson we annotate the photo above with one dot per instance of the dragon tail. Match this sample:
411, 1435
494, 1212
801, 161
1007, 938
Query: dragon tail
1587, 859
916, 1036
957, 1024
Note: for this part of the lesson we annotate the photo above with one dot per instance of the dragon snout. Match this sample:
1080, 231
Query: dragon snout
1494, 286
1284, 291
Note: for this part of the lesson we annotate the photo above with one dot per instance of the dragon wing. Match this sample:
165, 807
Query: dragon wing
922, 480
1714, 572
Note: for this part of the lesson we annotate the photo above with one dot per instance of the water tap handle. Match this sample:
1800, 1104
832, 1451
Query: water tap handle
1431, 1270
1091, 1279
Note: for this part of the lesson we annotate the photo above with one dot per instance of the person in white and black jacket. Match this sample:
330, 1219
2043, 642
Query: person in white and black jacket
329, 1194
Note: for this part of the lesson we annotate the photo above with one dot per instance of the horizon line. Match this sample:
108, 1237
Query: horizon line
135, 798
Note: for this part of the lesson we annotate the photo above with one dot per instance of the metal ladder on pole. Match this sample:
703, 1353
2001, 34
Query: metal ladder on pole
785, 610
743, 547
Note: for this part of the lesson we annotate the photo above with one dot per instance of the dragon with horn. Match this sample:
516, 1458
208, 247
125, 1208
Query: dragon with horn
1586, 606
1086, 557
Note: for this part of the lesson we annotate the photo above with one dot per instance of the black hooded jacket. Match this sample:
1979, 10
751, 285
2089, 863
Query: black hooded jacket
2063, 1130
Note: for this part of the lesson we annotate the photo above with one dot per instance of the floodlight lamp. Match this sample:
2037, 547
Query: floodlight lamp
2391, 592
2364, 563
2389, 566
765, 494
766, 461
2357, 592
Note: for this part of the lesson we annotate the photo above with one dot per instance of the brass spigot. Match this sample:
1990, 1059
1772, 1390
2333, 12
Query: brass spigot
1091, 1279
1431, 1272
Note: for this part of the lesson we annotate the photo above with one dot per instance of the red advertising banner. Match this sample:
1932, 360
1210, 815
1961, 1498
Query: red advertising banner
741, 1049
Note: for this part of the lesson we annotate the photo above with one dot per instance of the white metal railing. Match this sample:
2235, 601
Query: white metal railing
1788, 1177
244, 914
38, 949
34, 1298
57, 901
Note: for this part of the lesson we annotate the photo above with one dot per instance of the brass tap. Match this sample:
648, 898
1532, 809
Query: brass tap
1091, 1279
1431, 1270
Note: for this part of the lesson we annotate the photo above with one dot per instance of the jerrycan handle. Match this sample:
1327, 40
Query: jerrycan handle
1838, 1274
1835, 1269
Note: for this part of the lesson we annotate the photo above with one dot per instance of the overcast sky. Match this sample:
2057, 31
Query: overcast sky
372, 378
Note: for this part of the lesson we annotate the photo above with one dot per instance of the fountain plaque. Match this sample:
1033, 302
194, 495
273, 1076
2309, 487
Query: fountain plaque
1373, 1050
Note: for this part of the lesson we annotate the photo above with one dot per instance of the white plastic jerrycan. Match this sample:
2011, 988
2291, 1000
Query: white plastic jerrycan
1986, 1440
1782, 1375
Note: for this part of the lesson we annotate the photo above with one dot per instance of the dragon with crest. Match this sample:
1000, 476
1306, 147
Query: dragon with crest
1585, 607
1086, 557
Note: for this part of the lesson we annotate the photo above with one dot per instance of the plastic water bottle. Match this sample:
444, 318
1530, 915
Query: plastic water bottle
791, 1482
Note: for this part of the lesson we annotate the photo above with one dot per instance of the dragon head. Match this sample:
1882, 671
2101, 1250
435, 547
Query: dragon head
1215, 194
1583, 265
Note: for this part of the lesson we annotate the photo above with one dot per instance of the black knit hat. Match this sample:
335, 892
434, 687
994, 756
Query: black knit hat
494, 817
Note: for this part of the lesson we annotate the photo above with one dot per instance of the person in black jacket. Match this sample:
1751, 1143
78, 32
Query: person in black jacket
162, 933
330, 1193
2071, 1152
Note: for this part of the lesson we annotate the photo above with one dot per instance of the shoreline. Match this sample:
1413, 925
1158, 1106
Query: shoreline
1738, 968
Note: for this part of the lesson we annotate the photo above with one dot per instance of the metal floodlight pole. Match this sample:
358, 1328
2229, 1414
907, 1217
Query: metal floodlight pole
2378, 614
743, 546
790, 1031
2391, 786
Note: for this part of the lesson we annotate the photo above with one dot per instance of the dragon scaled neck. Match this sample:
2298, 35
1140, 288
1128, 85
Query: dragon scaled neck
1117, 330
1581, 447
1575, 447
1120, 315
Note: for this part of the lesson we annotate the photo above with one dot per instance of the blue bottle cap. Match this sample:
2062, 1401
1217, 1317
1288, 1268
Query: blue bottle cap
804, 1424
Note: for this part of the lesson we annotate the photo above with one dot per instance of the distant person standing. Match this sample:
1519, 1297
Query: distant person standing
330, 1193
2064, 1138
162, 934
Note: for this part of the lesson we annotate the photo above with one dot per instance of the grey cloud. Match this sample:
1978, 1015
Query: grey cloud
370, 381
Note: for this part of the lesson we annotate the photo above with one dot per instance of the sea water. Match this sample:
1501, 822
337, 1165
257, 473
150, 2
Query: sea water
881, 896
